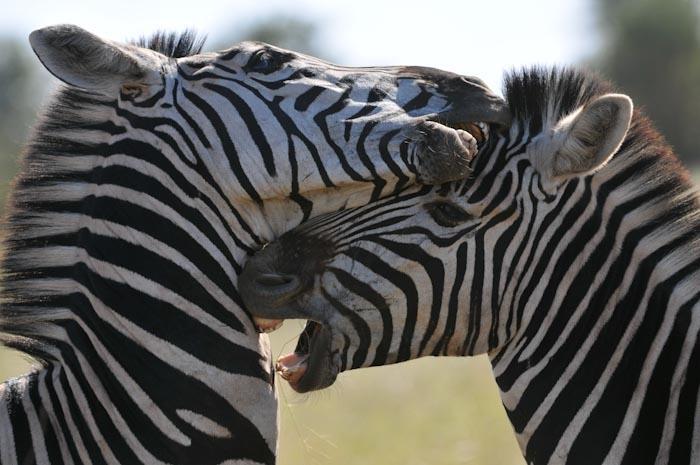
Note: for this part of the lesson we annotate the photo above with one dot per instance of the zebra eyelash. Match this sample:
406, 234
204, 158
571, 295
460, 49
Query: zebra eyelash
447, 214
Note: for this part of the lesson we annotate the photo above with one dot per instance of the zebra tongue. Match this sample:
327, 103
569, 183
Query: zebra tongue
266, 325
292, 367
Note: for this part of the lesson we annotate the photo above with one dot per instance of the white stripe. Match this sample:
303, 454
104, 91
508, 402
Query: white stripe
49, 407
204, 424
7, 451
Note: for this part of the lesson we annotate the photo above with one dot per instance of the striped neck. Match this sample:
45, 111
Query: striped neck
121, 278
58, 415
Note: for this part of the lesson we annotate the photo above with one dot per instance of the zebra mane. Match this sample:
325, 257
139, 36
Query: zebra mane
172, 44
48, 163
541, 96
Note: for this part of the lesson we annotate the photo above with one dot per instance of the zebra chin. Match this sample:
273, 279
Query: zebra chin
314, 364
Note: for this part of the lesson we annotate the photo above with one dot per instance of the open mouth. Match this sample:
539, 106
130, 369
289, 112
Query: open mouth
444, 149
471, 135
478, 131
313, 364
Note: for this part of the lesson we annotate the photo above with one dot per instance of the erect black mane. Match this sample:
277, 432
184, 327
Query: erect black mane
173, 44
534, 93
541, 96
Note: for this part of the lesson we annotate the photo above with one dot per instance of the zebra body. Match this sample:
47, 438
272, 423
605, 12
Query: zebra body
148, 181
570, 255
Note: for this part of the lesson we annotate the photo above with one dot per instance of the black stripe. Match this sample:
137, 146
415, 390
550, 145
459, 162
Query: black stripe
248, 117
365, 291
226, 142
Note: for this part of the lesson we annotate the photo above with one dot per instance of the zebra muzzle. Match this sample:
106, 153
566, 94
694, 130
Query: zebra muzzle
314, 364
445, 150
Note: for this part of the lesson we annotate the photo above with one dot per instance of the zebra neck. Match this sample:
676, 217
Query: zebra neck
38, 422
601, 369
85, 414
165, 368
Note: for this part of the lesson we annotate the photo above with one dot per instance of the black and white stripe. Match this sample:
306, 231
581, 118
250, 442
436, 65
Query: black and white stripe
148, 181
579, 276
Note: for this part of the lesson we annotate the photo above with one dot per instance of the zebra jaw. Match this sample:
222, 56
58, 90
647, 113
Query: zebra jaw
479, 131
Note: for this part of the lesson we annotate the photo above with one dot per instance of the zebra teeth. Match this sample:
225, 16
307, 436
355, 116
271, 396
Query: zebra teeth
478, 130
292, 367
484, 129
266, 325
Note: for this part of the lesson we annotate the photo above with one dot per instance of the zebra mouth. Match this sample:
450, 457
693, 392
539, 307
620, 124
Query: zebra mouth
478, 131
313, 365
444, 149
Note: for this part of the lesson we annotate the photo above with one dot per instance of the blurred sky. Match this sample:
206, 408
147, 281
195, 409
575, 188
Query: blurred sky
482, 38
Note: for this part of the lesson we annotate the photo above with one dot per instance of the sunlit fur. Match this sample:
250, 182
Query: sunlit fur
127, 229
583, 290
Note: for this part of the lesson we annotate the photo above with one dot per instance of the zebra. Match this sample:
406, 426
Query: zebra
154, 172
570, 255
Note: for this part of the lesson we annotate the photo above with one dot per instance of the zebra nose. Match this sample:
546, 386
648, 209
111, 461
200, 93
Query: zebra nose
264, 292
277, 284
274, 280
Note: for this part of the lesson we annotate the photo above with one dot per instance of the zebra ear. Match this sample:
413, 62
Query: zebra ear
590, 137
82, 59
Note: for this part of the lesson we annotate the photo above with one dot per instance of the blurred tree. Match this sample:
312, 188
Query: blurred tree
17, 100
298, 34
651, 48
20, 96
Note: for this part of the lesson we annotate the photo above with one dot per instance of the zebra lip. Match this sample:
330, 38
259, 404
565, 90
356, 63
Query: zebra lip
266, 325
476, 129
310, 367
292, 367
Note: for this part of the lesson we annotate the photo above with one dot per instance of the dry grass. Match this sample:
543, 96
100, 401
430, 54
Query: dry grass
431, 411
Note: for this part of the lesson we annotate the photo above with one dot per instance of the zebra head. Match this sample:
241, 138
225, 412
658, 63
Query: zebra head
269, 124
441, 270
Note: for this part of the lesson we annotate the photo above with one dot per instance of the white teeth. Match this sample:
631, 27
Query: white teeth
484, 129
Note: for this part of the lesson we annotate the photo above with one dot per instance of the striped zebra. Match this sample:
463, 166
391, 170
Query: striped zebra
570, 255
151, 176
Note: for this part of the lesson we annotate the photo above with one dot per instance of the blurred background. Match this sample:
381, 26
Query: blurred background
430, 411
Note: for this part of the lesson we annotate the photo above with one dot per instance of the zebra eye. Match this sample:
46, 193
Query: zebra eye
447, 214
261, 62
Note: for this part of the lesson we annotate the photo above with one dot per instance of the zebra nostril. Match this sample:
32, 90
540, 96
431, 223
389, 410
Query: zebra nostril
267, 294
277, 281
270, 289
